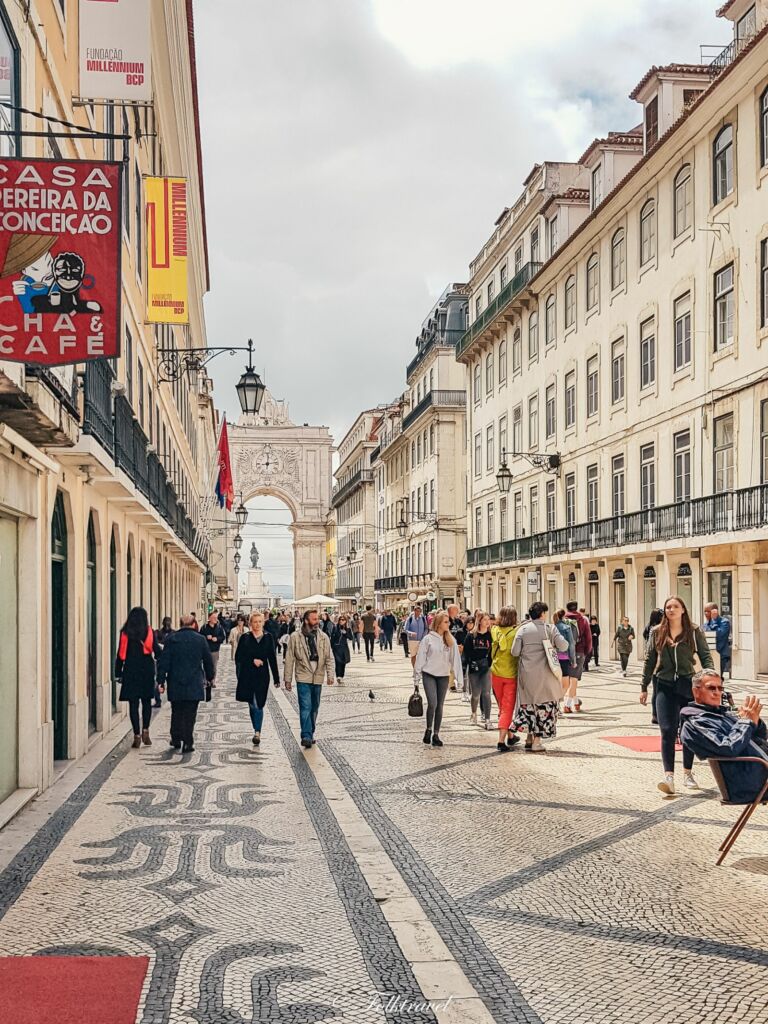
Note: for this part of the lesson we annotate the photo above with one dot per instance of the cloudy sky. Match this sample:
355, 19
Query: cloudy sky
357, 153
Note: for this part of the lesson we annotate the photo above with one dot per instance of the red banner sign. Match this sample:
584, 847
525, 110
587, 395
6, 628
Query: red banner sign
60, 227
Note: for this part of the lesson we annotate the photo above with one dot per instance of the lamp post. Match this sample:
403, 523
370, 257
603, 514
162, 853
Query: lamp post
237, 542
173, 363
241, 515
250, 388
549, 463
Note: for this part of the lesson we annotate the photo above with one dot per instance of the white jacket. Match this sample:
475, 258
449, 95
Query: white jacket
438, 659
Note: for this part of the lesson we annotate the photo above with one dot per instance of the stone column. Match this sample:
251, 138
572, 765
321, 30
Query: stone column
308, 557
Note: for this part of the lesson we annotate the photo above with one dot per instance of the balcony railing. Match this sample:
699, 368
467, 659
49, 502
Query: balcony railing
733, 49
450, 337
491, 311
66, 395
390, 583
385, 440
341, 493
97, 403
746, 509
439, 399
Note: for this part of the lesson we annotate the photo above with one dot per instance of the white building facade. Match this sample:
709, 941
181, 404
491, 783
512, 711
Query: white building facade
354, 502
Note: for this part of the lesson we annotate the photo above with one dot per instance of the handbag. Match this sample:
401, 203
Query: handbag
208, 691
552, 659
415, 703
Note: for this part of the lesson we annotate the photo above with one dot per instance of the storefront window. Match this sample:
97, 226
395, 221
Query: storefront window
721, 591
8, 73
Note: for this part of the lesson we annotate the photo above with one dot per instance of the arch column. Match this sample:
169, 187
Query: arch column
308, 557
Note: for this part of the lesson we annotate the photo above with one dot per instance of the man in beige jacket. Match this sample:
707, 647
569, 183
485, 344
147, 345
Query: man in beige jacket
309, 659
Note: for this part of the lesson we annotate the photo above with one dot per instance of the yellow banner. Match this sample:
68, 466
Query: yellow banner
167, 289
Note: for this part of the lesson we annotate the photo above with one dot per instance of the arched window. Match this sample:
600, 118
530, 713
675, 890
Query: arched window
502, 360
593, 281
550, 321
476, 383
517, 351
647, 232
113, 624
683, 200
129, 576
533, 335
570, 301
489, 373
92, 618
722, 164
764, 128
618, 258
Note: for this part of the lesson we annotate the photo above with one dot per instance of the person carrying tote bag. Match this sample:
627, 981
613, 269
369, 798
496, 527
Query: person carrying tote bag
540, 687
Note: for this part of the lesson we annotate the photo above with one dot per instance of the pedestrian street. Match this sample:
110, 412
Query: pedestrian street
372, 878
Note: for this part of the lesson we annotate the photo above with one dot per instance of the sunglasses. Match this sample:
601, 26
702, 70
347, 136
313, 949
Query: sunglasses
715, 689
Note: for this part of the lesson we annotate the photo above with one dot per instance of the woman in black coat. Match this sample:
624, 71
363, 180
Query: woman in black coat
135, 667
255, 657
340, 638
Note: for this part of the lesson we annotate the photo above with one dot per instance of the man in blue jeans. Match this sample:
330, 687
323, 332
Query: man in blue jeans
309, 659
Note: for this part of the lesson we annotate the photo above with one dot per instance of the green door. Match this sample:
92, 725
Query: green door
9, 665
113, 617
59, 654
90, 611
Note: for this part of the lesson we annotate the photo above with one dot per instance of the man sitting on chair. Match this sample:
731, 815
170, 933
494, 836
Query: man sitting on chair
711, 729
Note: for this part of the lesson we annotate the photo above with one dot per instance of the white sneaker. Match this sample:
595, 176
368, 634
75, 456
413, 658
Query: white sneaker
473, 718
689, 782
668, 785
537, 747
487, 725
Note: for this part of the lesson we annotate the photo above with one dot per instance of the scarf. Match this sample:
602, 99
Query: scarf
311, 638
147, 647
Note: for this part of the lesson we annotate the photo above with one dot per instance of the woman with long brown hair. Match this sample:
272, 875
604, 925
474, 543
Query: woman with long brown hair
669, 663
437, 656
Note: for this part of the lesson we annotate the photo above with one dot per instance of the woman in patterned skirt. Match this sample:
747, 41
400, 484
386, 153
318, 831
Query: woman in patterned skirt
539, 690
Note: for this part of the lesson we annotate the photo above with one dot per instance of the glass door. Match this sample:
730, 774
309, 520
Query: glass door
9, 663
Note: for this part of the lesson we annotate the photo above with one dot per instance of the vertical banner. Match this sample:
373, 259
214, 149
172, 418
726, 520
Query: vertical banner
167, 288
115, 50
60, 238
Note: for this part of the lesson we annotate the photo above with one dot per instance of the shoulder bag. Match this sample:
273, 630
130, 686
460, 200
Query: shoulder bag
552, 659
415, 703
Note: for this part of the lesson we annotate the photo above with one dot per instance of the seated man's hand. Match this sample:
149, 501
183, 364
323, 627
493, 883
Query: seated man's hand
751, 709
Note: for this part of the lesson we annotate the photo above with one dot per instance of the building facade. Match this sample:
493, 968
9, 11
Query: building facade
353, 503
616, 367
419, 469
102, 468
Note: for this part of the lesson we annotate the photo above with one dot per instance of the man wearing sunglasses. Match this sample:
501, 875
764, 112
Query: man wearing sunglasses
712, 729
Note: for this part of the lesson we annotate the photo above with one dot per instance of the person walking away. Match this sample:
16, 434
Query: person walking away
388, 625
721, 627
357, 631
477, 657
623, 638
583, 650
215, 637
654, 619
327, 625
184, 667
403, 636
272, 626
369, 631
340, 641
539, 689
504, 669
459, 634
594, 629
567, 658
416, 629
161, 635
310, 661
135, 668
234, 635
673, 645
437, 656
255, 658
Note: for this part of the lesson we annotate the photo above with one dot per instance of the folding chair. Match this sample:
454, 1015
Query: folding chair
725, 799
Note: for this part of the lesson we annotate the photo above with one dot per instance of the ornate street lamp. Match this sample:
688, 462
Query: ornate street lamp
352, 553
504, 478
250, 388
402, 527
237, 542
549, 463
241, 515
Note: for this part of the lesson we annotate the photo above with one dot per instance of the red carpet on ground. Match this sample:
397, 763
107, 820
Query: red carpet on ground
640, 744
71, 989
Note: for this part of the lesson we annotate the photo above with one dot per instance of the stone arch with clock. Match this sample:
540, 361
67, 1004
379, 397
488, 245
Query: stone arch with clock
273, 456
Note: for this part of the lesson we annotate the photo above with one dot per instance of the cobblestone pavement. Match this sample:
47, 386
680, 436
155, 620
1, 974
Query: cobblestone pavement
274, 884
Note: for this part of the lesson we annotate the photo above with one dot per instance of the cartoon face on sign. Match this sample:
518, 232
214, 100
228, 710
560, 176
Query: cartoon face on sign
68, 274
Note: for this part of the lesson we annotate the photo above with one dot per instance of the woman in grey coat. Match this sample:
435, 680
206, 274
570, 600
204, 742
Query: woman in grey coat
539, 691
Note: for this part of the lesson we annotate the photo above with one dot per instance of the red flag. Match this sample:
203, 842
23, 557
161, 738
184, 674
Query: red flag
225, 490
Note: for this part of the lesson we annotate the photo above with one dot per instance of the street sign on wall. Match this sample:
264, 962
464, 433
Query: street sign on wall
115, 50
167, 280
59, 260
534, 581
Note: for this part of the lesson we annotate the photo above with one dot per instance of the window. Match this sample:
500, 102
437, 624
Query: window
550, 321
517, 351
518, 258
617, 485
647, 232
533, 336
489, 373
140, 390
478, 526
489, 448
723, 445
503, 519
503, 272
128, 356
552, 240
647, 477
533, 421
478, 306
746, 26
764, 283
517, 429
503, 361
551, 505
139, 222
491, 524
618, 258
764, 442
593, 397
476, 383
647, 354
418, 450
570, 301
518, 513
478, 456
764, 128
617, 372
490, 290
533, 505
682, 451
593, 281
683, 331
651, 123
502, 438
550, 411
592, 494
535, 245
722, 164
724, 307
597, 186
432, 439
683, 200
570, 400
570, 499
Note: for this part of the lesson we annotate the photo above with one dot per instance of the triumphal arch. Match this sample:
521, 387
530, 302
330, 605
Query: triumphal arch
271, 455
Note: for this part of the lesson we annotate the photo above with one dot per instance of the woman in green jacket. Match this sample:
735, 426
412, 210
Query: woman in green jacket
623, 638
669, 662
504, 673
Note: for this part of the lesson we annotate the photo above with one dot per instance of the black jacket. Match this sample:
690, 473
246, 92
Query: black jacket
253, 680
185, 665
137, 672
477, 651
340, 638
272, 626
214, 635
718, 732
388, 624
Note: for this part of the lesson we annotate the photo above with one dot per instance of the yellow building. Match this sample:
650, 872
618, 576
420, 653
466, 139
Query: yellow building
103, 469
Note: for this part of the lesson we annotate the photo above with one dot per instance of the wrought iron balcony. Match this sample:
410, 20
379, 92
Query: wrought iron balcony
497, 306
97, 403
734, 48
390, 583
438, 399
343, 491
746, 509
447, 338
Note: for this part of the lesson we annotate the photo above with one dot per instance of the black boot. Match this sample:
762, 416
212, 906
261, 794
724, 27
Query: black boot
428, 736
436, 741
